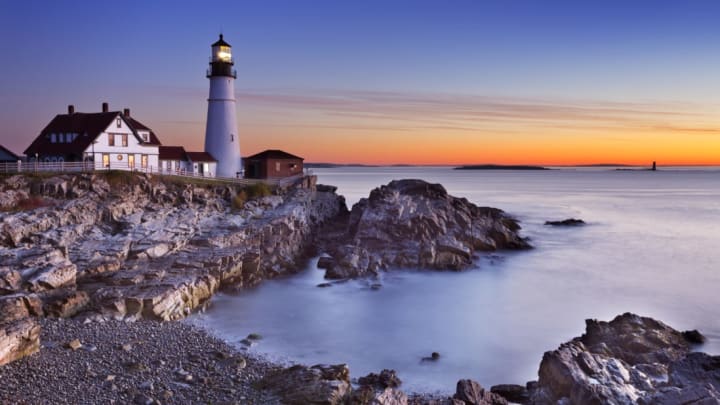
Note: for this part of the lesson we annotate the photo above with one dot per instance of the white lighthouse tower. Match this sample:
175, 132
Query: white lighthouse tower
221, 137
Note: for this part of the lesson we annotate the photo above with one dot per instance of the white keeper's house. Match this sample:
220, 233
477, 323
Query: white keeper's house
112, 140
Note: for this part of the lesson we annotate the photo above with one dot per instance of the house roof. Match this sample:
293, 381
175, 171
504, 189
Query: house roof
171, 153
9, 152
87, 125
200, 157
220, 42
273, 154
138, 126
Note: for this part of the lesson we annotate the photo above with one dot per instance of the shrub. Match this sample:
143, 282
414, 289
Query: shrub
258, 190
238, 202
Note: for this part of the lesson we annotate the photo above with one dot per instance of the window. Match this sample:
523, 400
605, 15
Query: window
53, 138
145, 137
118, 122
106, 160
144, 161
277, 166
131, 161
61, 137
168, 165
124, 140
111, 140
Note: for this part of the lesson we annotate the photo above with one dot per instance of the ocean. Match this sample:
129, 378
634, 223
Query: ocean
651, 246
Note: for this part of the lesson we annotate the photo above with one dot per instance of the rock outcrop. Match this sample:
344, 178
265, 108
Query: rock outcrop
628, 360
566, 222
130, 246
415, 224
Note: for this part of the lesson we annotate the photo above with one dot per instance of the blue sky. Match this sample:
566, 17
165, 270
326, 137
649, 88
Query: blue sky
151, 57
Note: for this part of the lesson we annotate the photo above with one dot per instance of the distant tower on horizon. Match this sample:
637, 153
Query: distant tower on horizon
221, 137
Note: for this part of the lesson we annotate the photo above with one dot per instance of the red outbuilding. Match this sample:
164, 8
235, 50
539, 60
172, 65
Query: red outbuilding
272, 163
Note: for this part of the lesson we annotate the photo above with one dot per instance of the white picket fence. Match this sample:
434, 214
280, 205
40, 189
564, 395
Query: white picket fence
79, 167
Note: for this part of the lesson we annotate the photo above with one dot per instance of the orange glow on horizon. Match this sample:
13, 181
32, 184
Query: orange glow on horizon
452, 148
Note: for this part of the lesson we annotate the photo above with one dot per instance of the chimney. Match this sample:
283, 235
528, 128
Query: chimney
71, 109
105, 107
126, 112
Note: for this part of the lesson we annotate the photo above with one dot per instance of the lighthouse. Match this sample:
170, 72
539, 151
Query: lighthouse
221, 137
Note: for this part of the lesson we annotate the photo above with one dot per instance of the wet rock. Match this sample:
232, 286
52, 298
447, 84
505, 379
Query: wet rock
319, 384
472, 393
694, 336
513, 393
412, 223
434, 356
566, 222
385, 379
324, 285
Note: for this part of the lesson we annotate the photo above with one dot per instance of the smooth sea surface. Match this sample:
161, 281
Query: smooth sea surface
651, 246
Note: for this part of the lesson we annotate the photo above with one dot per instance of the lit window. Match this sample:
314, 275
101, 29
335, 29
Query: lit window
124, 140
111, 140
277, 166
144, 161
106, 160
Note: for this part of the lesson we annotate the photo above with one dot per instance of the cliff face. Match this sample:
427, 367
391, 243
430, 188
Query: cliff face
131, 246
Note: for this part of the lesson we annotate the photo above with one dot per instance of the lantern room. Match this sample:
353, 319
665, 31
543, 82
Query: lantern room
221, 61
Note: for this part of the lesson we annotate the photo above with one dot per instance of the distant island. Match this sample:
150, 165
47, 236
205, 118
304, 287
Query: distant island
500, 167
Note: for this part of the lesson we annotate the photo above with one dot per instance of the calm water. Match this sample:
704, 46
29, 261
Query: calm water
652, 247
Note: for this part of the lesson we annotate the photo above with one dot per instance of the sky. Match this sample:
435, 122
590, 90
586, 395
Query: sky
384, 82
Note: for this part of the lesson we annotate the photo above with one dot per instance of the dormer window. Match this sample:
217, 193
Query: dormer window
145, 137
118, 122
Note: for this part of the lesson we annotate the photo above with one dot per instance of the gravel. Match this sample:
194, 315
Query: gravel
141, 362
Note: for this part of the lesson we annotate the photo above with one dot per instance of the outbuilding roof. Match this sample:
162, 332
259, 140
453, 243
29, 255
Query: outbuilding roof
274, 154
9, 153
171, 153
200, 157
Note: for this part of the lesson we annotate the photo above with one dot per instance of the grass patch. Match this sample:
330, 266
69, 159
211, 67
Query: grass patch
238, 202
120, 177
258, 190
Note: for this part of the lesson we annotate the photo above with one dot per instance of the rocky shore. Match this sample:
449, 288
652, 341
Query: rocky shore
120, 245
92, 265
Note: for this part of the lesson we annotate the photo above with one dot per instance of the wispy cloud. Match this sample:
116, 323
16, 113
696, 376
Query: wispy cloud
470, 111
353, 109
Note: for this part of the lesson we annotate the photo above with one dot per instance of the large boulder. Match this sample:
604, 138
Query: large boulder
415, 224
319, 384
629, 360
469, 392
